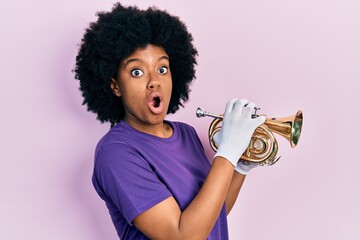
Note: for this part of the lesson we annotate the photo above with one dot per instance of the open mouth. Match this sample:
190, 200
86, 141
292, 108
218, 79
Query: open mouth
156, 104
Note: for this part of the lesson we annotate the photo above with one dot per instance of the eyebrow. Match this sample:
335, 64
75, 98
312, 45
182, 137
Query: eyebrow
139, 60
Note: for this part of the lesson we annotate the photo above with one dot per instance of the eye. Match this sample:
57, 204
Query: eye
137, 73
163, 70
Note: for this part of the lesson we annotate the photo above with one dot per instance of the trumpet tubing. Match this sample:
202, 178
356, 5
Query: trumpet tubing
263, 145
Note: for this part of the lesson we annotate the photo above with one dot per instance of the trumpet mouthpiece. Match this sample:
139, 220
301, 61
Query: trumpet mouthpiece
200, 112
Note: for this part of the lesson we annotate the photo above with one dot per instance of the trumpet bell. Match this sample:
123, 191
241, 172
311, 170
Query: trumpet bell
296, 130
288, 127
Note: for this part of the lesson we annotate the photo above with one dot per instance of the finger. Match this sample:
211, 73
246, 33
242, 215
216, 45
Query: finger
249, 108
230, 105
239, 104
260, 120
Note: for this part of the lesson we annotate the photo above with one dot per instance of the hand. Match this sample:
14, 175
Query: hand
242, 167
237, 129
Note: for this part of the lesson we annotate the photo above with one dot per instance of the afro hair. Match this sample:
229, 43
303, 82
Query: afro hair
115, 36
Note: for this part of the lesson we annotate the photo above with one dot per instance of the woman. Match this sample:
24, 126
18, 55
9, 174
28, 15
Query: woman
135, 67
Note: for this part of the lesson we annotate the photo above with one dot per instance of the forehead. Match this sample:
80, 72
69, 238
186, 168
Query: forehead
150, 52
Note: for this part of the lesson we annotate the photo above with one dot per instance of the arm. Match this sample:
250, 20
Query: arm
234, 189
241, 170
166, 221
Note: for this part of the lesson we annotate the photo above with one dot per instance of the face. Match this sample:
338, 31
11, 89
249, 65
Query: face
144, 84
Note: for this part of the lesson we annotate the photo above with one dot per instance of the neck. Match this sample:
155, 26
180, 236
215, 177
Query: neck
162, 130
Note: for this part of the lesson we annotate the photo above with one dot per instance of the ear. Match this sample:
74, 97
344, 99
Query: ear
115, 87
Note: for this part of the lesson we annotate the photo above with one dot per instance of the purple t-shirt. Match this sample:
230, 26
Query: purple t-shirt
134, 171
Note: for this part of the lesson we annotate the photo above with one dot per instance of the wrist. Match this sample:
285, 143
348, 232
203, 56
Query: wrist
244, 167
240, 171
227, 157
229, 154
243, 174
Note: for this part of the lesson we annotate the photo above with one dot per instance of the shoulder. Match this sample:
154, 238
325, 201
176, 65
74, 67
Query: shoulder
115, 155
119, 137
117, 145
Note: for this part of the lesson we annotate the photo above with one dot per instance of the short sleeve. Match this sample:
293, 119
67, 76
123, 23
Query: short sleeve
122, 176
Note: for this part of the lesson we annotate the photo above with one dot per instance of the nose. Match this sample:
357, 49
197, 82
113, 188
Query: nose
153, 83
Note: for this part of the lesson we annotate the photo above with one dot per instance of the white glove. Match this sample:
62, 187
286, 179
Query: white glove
242, 167
245, 167
237, 129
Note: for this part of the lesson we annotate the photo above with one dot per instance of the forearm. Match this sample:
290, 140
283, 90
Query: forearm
234, 189
198, 219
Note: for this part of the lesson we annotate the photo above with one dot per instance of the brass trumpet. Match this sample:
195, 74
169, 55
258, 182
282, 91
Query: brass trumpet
263, 146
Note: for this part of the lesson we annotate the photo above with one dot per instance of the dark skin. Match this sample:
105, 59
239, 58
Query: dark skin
144, 83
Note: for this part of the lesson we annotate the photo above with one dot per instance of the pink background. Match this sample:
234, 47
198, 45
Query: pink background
283, 55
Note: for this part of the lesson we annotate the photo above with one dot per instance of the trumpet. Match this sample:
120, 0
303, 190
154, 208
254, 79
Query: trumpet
263, 146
